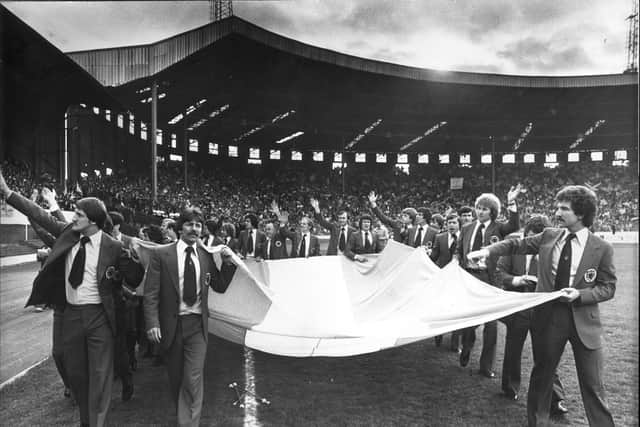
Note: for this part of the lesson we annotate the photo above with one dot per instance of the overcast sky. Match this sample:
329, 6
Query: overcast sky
532, 37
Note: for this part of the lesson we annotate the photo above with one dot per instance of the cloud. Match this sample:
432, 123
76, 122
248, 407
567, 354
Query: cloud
532, 54
521, 37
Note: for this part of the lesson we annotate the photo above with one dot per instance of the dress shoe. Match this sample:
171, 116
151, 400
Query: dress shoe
511, 395
488, 374
438, 340
558, 408
464, 357
127, 390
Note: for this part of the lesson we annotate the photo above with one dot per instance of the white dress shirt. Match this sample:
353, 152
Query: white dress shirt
87, 291
196, 308
577, 249
267, 253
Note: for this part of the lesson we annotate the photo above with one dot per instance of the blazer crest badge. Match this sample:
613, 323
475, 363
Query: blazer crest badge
590, 275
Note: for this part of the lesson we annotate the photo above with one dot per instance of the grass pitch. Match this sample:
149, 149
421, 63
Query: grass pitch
418, 384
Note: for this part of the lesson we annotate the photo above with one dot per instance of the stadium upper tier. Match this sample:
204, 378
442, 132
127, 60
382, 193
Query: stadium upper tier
234, 83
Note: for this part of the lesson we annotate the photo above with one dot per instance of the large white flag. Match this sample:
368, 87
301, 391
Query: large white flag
331, 306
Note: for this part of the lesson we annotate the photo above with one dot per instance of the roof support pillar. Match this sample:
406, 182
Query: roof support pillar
185, 155
154, 147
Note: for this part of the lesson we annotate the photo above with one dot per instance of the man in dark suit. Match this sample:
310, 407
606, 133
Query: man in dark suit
444, 249
339, 232
252, 240
57, 346
401, 228
518, 273
83, 273
176, 293
481, 232
305, 244
125, 346
579, 264
363, 241
422, 234
275, 248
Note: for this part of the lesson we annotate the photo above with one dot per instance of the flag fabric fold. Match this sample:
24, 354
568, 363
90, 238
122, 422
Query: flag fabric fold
332, 306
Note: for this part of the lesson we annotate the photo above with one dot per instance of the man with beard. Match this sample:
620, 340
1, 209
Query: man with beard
578, 263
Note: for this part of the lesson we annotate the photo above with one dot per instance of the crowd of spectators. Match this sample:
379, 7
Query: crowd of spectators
227, 195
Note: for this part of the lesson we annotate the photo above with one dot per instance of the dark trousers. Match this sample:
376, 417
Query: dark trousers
489, 335
518, 325
57, 347
185, 365
549, 337
88, 360
121, 357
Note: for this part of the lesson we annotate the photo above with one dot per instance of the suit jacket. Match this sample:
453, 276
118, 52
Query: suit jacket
597, 256
334, 233
428, 235
296, 239
50, 283
261, 240
162, 289
355, 245
47, 238
496, 229
400, 234
441, 254
278, 246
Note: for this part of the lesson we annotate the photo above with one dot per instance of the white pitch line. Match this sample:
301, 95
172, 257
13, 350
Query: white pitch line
250, 403
21, 374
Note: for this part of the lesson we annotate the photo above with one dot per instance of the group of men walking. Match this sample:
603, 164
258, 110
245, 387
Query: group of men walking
88, 272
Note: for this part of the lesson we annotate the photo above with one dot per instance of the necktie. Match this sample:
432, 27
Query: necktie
189, 288
343, 241
477, 242
418, 238
303, 247
563, 272
454, 243
250, 242
268, 248
77, 268
367, 242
